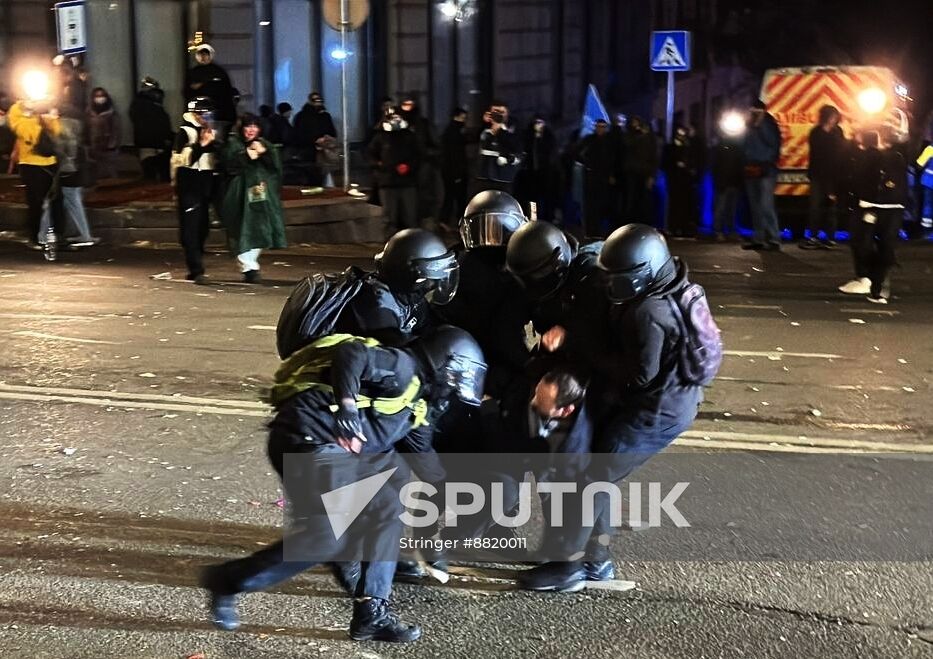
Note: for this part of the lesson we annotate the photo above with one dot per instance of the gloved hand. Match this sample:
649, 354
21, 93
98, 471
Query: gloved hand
348, 422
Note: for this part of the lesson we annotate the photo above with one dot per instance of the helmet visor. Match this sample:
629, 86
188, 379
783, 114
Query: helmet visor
488, 229
624, 286
466, 377
438, 277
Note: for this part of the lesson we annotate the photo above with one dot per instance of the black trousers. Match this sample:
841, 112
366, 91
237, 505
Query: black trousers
597, 204
38, 181
873, 244
195, 193
455, 198
313, 541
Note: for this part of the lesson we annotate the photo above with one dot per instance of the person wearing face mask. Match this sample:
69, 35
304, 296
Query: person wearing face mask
104, 133
194, 161
315, 135
252, 207
640, 167
430, 185
680, 168
538, 181
762, 151
454, 167
395, 155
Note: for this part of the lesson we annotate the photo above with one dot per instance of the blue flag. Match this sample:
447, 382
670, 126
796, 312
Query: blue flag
593, 109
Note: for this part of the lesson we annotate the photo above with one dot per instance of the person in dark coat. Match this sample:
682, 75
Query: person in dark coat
827, 146
395, 155
598, 153
152, 129
680, 167
644, 400
312, 124
454, 167
210, 80
728, 161
105, 132
640, 166
880, 186
499, 151
280, 126
429, 177
539, 179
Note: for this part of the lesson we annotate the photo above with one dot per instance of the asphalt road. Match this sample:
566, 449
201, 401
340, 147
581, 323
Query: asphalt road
134, 452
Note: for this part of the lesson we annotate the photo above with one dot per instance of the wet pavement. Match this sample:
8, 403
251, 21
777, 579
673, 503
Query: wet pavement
133, 444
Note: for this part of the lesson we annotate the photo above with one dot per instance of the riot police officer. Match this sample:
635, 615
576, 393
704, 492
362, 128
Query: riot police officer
414, 271
645, 394
339, 396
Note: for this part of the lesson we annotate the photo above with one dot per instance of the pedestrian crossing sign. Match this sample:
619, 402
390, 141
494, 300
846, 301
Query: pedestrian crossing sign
670, 50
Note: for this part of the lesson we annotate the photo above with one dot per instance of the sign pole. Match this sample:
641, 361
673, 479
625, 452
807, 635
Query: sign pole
669, 123
345, 120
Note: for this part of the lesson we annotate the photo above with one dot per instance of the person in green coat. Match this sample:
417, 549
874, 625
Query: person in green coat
252, 205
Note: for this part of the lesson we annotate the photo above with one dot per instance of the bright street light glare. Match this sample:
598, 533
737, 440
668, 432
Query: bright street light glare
449, 9
36, 85
339, 54
872, 100
732, 124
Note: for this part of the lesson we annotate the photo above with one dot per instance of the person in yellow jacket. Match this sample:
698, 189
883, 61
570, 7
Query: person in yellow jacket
37, 162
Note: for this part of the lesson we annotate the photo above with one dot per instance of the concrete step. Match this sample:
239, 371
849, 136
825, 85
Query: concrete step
329, 222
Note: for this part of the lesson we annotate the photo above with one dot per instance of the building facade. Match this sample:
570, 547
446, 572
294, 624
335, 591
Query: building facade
536, 55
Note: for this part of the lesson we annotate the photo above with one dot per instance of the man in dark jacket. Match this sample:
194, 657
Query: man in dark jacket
210, 80
313, 123
728, 163
499, 150
336, 398
640, 167
280, 125
643, 399
827, 146
880, 182
454, 167
152, 129
539, 179
395, 155
680, 167
598, 154
762, 151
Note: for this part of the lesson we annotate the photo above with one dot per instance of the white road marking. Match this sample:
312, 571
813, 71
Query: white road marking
868, 426
97, 276
690, 439
46, 316
877, 312
69, 339
117, 395
265, 328
777, 355
840, 387
696, 438
763, 307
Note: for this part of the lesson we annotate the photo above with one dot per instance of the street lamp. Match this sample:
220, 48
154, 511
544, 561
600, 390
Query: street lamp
458, 10
732, 124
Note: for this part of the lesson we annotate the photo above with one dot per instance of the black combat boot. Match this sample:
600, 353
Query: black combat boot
373, 620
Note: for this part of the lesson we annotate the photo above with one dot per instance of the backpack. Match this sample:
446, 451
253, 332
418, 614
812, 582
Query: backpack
312, 308
701, 345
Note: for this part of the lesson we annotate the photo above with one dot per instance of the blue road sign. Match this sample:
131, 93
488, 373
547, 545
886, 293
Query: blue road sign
670, 50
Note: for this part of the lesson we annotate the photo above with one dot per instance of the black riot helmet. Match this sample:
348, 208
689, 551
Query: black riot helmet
539, 256
201, 105
490, 219
630, 261
456, 362
417, 261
